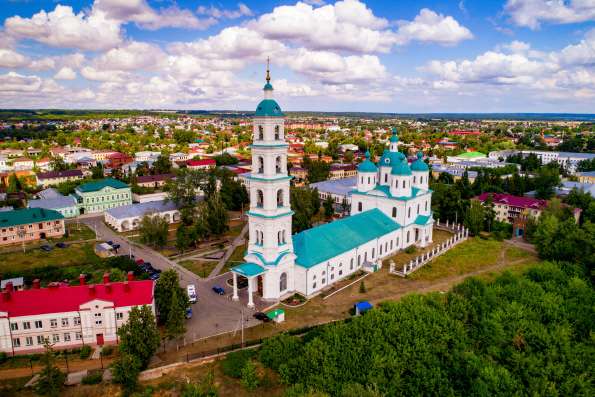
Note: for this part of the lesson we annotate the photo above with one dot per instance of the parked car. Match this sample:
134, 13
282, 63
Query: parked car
262, 317
218, 290
139, 261
191, 290
116, 246
189, 313
61, 245
45, 248
154, 276
110, 242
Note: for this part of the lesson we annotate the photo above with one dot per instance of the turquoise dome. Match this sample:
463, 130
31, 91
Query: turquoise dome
367, 165
394, 138
268, 108
401, 168
389, 158
268, 87
419, 164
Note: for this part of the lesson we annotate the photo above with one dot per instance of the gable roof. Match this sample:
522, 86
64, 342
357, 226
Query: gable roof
26, 216
60, 174
324, 242
61, 298
100, 184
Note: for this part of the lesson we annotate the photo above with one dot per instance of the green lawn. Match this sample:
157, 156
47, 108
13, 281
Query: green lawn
74, 254
236, 258
200, 268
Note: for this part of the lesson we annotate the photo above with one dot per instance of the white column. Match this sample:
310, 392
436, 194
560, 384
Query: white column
250, 301
235, 296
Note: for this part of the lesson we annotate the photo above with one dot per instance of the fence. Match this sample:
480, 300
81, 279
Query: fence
461, 234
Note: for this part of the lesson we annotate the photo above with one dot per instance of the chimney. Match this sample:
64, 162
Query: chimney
92, 289
108, 288
5, 296
130, 276
36, 284
53, 285
126, 286
105, 278
82, 279
9, 288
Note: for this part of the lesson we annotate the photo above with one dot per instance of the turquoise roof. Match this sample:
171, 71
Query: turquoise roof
324, 242
367, 165
386, 190
419, 164
423, 219
28, 215
268, 87
98, 185
389, 158
401, 168
268, 108
394, 138
248, 269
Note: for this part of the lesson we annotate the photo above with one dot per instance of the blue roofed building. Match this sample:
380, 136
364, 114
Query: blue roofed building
390, 210
51, 199
128, 217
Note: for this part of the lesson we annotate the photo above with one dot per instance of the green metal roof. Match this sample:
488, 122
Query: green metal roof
389, 158
471, 155
324, 242
394, 138
423, 220
274, 313
268, 87
268, 108
248, 269
401, 168
98, 185
28, 215
367, 165
419, 164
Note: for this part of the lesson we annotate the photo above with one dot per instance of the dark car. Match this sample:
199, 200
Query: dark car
116, 246
45, 248
189, 313
110, 242
61, 245
154, 276
262, 317
218, 290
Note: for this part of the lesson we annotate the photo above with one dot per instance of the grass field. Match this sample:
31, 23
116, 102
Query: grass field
198, 267
74, 254
236, 258
75, 233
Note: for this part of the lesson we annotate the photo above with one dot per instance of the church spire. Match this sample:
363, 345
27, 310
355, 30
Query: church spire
268, 87
268, 78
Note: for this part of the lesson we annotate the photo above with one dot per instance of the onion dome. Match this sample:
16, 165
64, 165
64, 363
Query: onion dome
367, 165
268, 108
394, 138
401, 168
419, 164
389, 158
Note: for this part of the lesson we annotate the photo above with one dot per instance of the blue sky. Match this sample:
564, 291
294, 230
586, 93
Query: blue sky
349, 55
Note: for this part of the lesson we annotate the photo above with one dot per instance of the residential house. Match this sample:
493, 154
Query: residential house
128, 217
155, 181
98, 196
30, 224
46, 179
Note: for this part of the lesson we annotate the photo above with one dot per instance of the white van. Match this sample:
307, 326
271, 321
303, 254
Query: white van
191, 290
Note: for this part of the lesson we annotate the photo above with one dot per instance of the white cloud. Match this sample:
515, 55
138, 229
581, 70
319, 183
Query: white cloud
132, 56
12, 59
91, 73
582, 53
63, 28
14, 82
65, 73
431, 27
242, 11
530, 13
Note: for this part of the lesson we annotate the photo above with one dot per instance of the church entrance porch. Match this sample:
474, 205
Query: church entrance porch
254, 274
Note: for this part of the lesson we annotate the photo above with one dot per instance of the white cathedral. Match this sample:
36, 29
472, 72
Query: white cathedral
390, 210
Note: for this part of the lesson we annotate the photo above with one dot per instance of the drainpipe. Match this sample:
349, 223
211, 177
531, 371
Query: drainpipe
10, 335
81, 327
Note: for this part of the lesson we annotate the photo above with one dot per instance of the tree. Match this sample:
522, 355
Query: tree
166, 288
348, 156
546, 180
153, 230
14, 184
51, 379
162, 165
328, 207
183, 191
58, 164
125, 372
216, 215
205, 388
139, 336
185, 237
475, 217
225, 159
175, 319
183, 136
233, 193
97, 171
249, 376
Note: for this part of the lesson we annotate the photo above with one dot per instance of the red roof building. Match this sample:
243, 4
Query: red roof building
464, 133
69, 316
202, 164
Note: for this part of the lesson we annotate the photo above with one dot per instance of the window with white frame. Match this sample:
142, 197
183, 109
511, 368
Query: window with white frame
67, 337
38, 324
78, 336
26, 325
98, 320
77, 321
53, 323
40, 339
14, 327
65, 322
119, 316
55, 338
16, 342
29, 341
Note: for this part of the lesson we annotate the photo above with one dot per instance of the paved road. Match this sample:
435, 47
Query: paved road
213, 314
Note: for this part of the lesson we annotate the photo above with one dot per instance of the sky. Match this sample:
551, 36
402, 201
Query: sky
395, 56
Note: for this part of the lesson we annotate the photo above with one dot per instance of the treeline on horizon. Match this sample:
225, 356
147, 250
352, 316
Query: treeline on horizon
527, 334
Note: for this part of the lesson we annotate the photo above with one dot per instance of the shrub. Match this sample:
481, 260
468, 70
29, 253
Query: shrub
275, 350
362, 288
93, 378
107, 351
249, 376
3, 357
410, 250
85, 352
234, 362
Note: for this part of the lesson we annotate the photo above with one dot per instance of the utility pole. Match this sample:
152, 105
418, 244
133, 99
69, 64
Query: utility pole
242, 311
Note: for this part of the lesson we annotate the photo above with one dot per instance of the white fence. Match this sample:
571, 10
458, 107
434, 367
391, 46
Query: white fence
461, 234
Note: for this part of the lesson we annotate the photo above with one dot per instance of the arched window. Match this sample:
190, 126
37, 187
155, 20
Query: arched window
351, 264
409, 212
373, 252
368, 180
418, 209
394, 212
259, 198
380, 251
280, 198
276, 132
359, 260
385, 178
403, 183
414, 178
283, 237
283, 282
391, 245
365, 257
359, 206
407, 236
261, 165
426, 206
278, 165
260, 133
421, 179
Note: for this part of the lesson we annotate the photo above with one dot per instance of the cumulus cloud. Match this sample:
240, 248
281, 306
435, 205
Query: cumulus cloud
14, 82
582, 53
63, 28
132, 56
65, 73
12, 59
431, 27
91, 73
530, 13
242, 11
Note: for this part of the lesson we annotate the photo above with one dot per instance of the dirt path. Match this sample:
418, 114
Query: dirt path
73, 366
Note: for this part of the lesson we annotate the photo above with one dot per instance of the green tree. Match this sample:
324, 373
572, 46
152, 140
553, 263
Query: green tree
125, 372
166, 288
475, 217
162, 165
328, 207
58, 164
97, 171
14, 184
175, 325
185, 237
249, 376
216, 215
153, 230
139, 336
51, 379
546, 181
205, 388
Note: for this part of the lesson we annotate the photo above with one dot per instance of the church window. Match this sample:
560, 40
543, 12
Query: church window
365, 257
359, 207
414, 179
314, 286
283, 282
394, 212
351, 264
278, 165
368, 180
323, 281
260, 133
280, 198
359, 260
403, 184
418, 209
341, 272
259, 198
421, 179
380, 253
407, 236
409, 212
332, 276
386, 246
373, 252
323, 272
426, 206
385, 178
260, 165
276, 132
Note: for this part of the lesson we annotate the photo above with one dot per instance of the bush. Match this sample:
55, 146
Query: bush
3, 357
249, 376
93, 378
107, 351
275, 350
234, 362
410, 250
362, 288
85, 352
